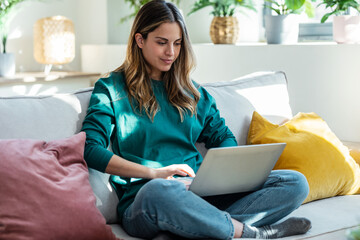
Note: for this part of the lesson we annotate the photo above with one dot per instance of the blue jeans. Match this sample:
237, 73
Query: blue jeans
166, 205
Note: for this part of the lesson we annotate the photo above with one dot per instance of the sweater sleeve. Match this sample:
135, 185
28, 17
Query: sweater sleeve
215, 133
98, 125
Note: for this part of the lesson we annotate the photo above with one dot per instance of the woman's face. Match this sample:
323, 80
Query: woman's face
161, 48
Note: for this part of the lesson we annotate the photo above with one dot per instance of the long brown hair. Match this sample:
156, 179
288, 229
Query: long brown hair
182, 93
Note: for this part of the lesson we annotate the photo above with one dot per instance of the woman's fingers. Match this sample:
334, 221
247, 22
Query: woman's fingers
183, 170
176, 169
188, 170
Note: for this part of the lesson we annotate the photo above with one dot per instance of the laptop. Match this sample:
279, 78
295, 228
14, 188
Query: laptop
234, 169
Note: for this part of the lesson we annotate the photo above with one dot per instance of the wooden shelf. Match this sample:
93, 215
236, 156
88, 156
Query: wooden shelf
38, 83
27, 77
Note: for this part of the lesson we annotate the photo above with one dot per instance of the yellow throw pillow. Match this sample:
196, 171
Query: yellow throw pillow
312, 149
355, 154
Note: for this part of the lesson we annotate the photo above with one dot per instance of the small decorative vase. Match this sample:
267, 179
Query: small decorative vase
224, 30
282, 29
7, 64
346, 29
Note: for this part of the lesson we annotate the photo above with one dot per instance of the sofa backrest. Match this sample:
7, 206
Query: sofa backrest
43, 117
61, 116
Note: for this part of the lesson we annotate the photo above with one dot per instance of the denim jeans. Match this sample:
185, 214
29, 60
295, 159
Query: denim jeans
166, 205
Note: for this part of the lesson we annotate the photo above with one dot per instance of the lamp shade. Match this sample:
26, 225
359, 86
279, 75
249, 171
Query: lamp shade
54, 40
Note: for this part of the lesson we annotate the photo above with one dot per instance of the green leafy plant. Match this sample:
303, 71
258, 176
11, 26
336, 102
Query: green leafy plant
8, 10
222, 8
283, 7
339, 7
136, 5
354, 234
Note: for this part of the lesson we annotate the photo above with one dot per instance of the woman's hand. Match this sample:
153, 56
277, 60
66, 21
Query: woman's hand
175, 169
122, 167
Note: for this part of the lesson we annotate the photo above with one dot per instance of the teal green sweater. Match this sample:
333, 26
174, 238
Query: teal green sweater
110, 120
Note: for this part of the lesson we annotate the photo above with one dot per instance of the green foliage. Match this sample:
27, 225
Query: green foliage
136, 5
283, 7
222, 8
354, 234
7, 11
339, 7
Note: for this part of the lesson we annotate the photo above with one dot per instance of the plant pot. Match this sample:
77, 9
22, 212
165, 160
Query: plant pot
7, 64
282, 29
346, 29
224, 30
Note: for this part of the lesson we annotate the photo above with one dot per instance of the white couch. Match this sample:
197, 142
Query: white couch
61, 115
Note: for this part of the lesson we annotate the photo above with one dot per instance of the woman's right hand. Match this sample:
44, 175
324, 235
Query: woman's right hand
122, 167
175, 169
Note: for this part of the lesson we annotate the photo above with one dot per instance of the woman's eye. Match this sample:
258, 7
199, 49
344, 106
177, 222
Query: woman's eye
161, 43
178, 43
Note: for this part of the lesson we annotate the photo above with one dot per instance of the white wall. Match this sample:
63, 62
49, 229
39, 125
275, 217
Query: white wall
198, 23
89, 17
97, 22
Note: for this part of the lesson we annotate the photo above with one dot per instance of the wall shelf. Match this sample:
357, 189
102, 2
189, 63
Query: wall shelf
38, 83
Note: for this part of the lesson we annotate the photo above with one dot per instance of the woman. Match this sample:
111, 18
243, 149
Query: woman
152, 114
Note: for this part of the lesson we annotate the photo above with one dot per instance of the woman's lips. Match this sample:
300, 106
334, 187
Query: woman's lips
167, 61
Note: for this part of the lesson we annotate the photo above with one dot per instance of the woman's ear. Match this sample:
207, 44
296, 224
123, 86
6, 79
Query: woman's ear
139, 40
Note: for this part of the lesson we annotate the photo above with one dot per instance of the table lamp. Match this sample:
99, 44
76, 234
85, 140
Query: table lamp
54, 41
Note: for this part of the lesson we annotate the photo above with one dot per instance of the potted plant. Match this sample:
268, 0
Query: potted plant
283, 28
136, 5
7, 12
224, 27
346, 28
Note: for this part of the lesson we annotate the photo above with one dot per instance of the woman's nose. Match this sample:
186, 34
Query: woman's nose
170, 50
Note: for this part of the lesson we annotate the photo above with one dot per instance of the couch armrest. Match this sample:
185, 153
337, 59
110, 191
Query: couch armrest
354, 148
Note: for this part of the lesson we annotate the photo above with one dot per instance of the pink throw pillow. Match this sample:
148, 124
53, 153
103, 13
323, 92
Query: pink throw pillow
45, 192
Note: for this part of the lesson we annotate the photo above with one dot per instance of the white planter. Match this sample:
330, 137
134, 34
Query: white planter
282, 29
346, 29
7, 64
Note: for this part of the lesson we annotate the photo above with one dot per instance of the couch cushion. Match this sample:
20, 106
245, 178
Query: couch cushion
312, 149
43, 117
106, 198
45, 191
329, 215
264, 92
55, 117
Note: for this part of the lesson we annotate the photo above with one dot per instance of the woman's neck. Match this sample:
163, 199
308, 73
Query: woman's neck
155, 75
